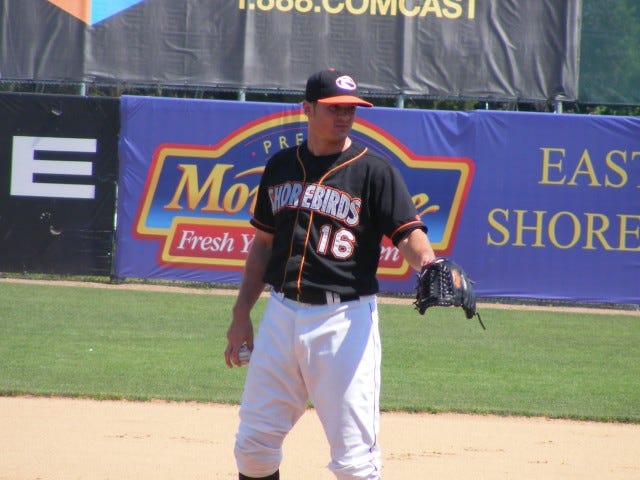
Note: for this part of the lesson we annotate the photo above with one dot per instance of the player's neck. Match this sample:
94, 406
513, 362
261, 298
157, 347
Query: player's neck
321, 148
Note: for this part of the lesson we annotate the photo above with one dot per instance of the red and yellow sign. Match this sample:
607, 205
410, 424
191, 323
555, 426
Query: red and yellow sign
198, 199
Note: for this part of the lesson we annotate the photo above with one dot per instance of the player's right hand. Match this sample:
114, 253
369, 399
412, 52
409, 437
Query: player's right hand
240, 332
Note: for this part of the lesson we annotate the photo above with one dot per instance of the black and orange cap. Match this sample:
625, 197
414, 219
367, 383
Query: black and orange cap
332, 87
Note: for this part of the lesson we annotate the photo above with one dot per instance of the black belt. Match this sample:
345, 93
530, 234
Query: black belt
319, 297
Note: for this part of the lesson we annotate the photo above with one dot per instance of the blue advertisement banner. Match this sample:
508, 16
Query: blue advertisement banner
532, 205
554, 210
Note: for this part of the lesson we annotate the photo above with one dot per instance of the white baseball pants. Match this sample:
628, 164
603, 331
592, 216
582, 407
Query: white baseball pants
329, 354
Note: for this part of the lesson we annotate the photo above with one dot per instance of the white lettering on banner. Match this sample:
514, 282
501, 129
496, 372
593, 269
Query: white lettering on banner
24, 165
247, 241
389, 254
193, 242
450, 9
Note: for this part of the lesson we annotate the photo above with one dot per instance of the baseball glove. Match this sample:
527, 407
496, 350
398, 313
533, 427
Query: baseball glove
444, 283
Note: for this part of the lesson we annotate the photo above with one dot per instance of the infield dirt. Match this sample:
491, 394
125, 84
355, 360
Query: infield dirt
64, 439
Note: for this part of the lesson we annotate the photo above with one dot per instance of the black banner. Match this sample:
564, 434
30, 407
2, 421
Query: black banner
58, 173
507, 49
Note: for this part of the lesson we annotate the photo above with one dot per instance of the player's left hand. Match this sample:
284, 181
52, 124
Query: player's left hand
444, 283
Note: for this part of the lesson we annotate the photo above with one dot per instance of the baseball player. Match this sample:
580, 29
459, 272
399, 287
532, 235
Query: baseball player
321, 212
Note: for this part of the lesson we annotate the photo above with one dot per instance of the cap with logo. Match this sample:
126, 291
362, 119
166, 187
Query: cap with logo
332, 87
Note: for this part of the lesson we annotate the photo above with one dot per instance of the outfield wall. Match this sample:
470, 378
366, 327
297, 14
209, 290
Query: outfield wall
532, 205
58, 171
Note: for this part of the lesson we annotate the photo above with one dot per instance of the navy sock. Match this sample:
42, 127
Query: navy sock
273, 476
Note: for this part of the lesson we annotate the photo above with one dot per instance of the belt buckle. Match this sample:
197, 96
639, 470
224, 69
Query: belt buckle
332, 298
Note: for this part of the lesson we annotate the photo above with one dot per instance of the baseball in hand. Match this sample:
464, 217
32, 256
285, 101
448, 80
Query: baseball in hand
244, 355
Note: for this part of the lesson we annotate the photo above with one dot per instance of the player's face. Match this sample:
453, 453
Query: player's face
331, 122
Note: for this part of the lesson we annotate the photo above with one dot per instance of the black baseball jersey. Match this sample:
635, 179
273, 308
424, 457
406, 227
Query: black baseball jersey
328, 215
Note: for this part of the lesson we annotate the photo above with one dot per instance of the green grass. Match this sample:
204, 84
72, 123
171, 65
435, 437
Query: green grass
526, 363
104, 343
114, 344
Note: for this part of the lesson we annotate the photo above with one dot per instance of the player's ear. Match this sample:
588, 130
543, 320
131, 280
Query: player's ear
306, 107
